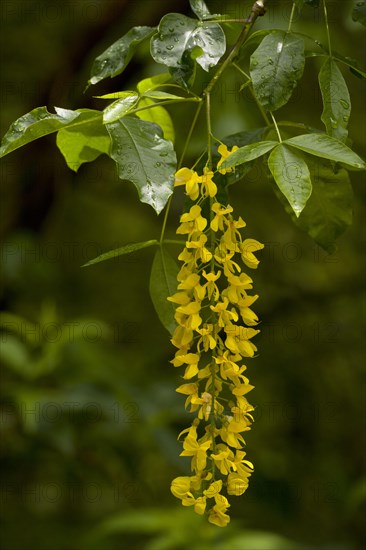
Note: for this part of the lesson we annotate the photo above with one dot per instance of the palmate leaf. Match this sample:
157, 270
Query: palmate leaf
35, 124
328, 212
143, 157
329, 148
84, 141
275, 68
126, 249
163, 283
336, 100
178, 34
116, 58
291, 175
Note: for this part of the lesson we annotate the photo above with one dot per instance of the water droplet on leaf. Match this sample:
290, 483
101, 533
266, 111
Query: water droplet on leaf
344, 103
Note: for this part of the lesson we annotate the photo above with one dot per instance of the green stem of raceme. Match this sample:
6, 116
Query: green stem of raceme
275, 125
189, 135
209, 131
193, 125
291, 17
327, 27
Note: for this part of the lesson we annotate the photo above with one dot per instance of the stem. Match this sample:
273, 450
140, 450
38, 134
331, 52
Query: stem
165, 220
258, 9
291, 17
327, 27
166, 214
275, 125
209, 132
188, 139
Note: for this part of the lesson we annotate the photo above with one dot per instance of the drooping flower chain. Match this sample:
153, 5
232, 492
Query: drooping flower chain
214, 332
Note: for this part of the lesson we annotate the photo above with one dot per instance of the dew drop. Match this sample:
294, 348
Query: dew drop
333, 123
344, 103
157, 164
170, 47
270, 61
176, 39
346, 119
171, 29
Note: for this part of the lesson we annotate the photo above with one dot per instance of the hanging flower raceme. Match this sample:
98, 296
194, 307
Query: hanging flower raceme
215, 327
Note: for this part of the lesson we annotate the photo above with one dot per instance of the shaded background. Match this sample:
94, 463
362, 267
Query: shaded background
89, 416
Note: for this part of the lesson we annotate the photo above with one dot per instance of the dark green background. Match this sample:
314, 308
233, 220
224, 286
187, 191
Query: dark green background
89, 415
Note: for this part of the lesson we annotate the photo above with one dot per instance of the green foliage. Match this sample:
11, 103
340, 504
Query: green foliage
359, 13
85, 141
163, 283
336, 100
178, 35
144, 157
297, 410
116, 58
127, 249
291, 175
276, 66
33, 125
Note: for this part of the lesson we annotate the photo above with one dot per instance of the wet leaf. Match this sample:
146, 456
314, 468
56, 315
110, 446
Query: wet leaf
275, 68
145, 158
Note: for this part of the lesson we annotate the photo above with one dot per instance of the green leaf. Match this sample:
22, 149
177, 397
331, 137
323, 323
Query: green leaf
158, 115
154, 82
199, 8
328, 212
185, 74
144, 158
348, 61
33, 125
336, 100
120, 251
116, 95
359, 13
116, 58
119, 108
275, 67
163, 283
327, 147
178, 34
248, 153
240, 139
158, 94
291, 175
84, 141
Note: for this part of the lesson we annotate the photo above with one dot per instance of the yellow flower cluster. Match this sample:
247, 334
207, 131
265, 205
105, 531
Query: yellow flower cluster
214, 332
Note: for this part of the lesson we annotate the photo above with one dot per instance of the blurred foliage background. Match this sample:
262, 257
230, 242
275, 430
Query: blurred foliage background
89, 415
